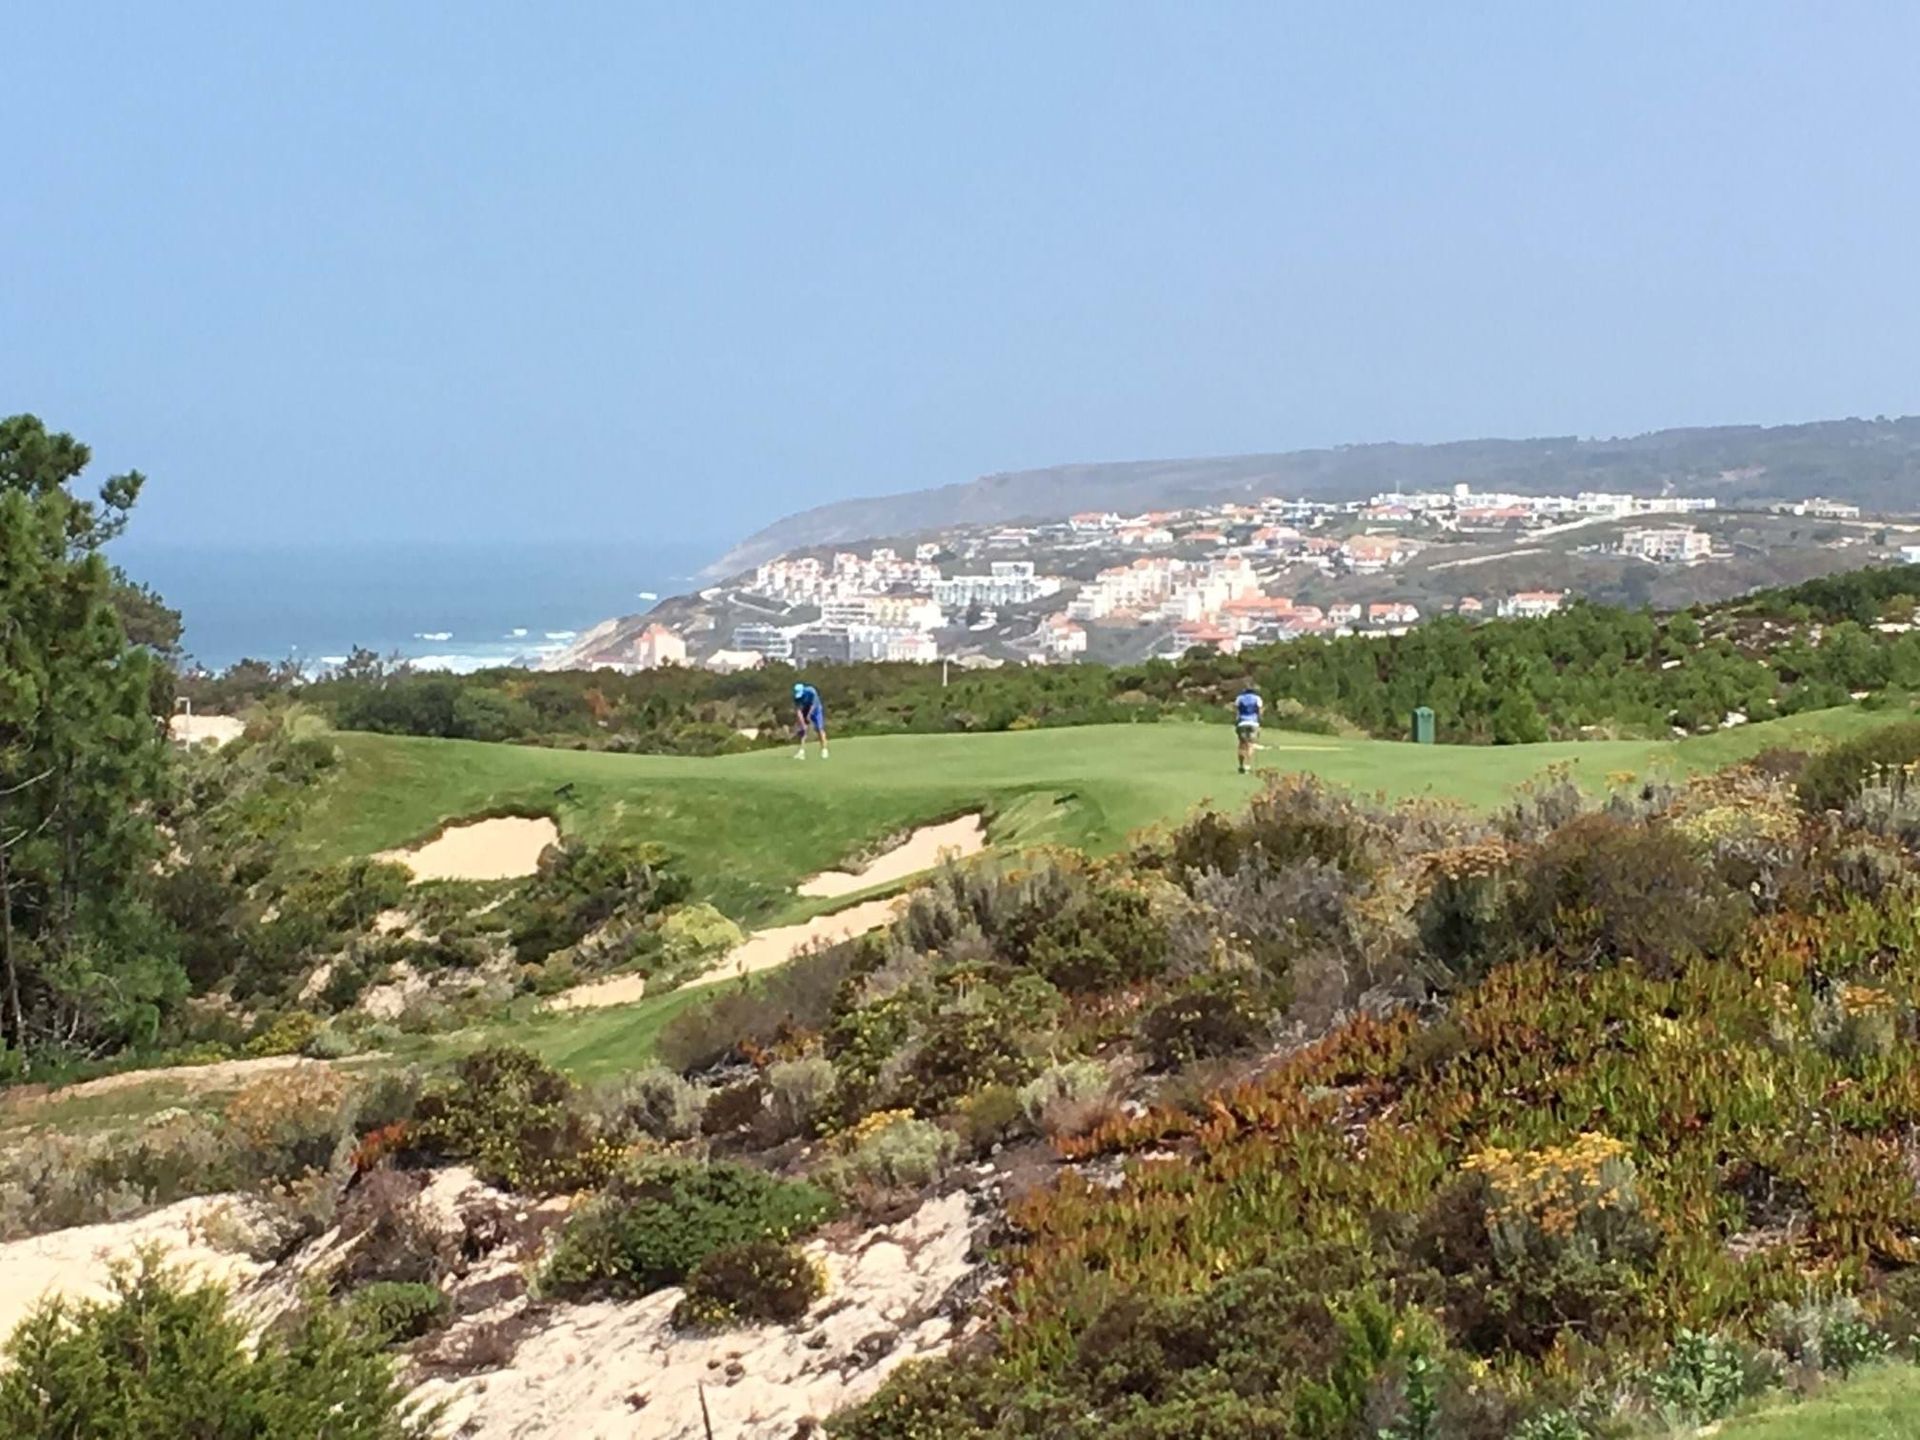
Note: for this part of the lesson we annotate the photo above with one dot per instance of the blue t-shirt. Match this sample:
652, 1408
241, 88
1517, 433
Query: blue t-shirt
807, 702
1246, 709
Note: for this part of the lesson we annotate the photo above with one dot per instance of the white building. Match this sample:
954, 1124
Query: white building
1675, 544
768, 640
656, 646
1012, 582
1818, 507
726, 662
1531, 604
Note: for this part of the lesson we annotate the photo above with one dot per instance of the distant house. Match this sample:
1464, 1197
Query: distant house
1062, 639
1818, 507
1674, 544
1470, 606
1910, 554
726, 662
1393, 612
1345, 613
656, 646
1531, 604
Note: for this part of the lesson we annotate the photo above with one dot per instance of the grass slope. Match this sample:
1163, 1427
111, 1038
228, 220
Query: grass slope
1881, 1404
747, 827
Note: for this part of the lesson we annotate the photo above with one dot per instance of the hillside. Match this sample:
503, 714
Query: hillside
1871, 463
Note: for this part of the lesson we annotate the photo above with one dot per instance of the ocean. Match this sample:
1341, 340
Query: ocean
448, 606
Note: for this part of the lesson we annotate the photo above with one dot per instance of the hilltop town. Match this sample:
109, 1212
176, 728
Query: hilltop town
1108, 586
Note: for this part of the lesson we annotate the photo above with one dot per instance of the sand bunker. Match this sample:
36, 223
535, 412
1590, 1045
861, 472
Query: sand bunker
762, 951
205, 729
507, 847
922, 850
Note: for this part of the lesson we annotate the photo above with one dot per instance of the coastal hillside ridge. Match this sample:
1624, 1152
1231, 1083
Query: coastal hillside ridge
1871, 463
1138, 560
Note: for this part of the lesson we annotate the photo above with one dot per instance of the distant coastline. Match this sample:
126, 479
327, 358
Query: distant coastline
440, 605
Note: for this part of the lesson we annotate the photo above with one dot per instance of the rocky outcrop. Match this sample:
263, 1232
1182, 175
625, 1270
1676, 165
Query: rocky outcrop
600, 1371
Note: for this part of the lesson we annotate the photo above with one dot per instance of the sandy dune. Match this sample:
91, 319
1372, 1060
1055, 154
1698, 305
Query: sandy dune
922, 850
504, 848
76, 1263
761, 951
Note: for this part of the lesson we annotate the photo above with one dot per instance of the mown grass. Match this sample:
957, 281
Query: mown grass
746, 828
1880, 1404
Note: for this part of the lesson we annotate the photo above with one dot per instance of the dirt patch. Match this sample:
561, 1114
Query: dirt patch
507, 847
221, 1075
922, 850
761, 951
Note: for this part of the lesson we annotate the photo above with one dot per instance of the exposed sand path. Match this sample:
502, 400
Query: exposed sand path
922, 850
761, 951
506, 847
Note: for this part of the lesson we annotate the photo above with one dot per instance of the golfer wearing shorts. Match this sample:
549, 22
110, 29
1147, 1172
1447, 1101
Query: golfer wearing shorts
808, 714
1247, 708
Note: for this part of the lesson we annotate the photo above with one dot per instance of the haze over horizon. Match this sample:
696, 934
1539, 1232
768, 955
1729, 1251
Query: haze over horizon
361, 273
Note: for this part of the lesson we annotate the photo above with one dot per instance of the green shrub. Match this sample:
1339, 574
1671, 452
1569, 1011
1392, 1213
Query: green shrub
1703, 1378
693, 935
656, 1221
580, 887
159, 1360
759, 1282
290, 1123
797, 997
895, 1150
990, 1116
1063, 1099
391, 1098
1603, 889
1111, 939
289, 1034
518, 1121
655, 1102
1220, 1016
797, 1094
1831, 1335
170, 1156
1834, 776
328, 1043
392, 1312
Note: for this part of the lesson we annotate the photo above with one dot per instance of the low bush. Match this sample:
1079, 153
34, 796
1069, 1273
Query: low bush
388, 1236
1701, 1380
693, 936
289, 1123
797, 998
1836, 775
1220, 1016
518, 1121
1603, 889
797, 1095
1068, 1098
391, 1312
288, 1034
893, 1150
656, 1221
760, 1282
990, 1116
655, 1102
160, 1359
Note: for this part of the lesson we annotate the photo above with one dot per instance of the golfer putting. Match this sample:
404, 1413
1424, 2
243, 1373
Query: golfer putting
1247, 710
808, 714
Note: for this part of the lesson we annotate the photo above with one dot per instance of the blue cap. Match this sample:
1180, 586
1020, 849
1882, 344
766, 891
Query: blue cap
798, 689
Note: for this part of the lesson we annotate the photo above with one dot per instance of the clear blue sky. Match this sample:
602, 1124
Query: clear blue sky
632, 270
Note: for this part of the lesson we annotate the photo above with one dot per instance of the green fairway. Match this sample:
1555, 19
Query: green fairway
1882, 1404
747, 827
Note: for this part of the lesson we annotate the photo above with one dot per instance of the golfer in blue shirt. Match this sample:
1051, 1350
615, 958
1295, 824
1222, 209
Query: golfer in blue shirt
1247, 709
808, 714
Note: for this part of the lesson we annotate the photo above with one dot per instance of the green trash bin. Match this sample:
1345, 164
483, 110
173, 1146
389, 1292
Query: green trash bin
1423, 726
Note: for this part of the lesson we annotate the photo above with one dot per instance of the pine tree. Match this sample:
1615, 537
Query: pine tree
83, 964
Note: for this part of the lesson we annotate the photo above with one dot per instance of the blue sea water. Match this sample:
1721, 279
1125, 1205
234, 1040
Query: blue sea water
453, 605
